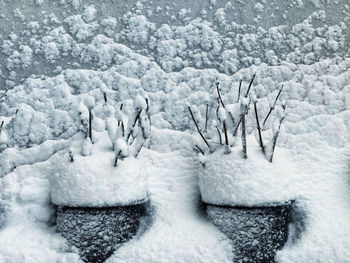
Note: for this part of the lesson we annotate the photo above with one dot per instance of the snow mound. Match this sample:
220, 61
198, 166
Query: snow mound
228, 179
95, 182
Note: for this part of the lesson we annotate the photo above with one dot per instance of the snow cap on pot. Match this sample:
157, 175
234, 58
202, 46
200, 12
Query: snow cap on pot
101, 167
238, 170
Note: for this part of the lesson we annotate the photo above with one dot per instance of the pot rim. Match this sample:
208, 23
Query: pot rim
124, 204
258, 206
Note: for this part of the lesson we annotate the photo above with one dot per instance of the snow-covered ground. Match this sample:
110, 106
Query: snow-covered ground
173, 55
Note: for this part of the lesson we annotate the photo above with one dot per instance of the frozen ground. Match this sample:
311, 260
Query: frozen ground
72, 49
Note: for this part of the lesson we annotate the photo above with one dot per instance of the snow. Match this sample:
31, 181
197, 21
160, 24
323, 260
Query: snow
228, 179
174, 64
95, 182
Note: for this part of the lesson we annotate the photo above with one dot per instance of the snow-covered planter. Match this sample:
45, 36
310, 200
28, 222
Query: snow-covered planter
248, 200
93, 181
246, 194
100, 184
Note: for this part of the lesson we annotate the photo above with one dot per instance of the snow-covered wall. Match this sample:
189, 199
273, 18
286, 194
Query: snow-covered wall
38, 36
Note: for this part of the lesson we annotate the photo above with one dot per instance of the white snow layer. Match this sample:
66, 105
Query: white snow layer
312, 154
229, 179
93, 181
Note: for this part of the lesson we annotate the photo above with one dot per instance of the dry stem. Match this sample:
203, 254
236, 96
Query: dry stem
273, 106
199, 131
259, 128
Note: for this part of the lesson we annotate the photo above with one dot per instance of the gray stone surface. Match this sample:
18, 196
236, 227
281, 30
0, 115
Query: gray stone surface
98, 232
256, 233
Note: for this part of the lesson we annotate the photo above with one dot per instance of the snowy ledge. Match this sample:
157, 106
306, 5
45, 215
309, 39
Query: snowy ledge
93, 181
228, 179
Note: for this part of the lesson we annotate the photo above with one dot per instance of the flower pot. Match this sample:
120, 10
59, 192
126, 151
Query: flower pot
100, 206
256, 232
247, 199
98, 231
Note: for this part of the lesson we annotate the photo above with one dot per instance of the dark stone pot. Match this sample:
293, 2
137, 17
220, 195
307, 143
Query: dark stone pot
256, 232
98, 231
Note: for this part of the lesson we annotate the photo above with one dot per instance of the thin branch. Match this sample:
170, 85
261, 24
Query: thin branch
1, 125
235, 130
135, 121
123, 129
147, 103
199, 131
206, 117
116, 158
199, 149
219, 94
274, 139
239, 91
217, 111
273, 106
71, 156
90, 125
225, 131
259, 128
139, 141
243, 115
120, 108
244, 138
250, 85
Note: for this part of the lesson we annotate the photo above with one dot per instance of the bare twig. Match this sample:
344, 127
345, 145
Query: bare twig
217, 111
219, 94
199, 131
206, 117
144, 136
199, 149
250, 85
259, 128
90, 125
134, 124
1, 125
120, 108
116, 158
227, 146
274, 139
225, 132
123, 129
244, 138
105, 97
147, 110
273, 106
235, 130
139, 143
239, 91
71, 156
